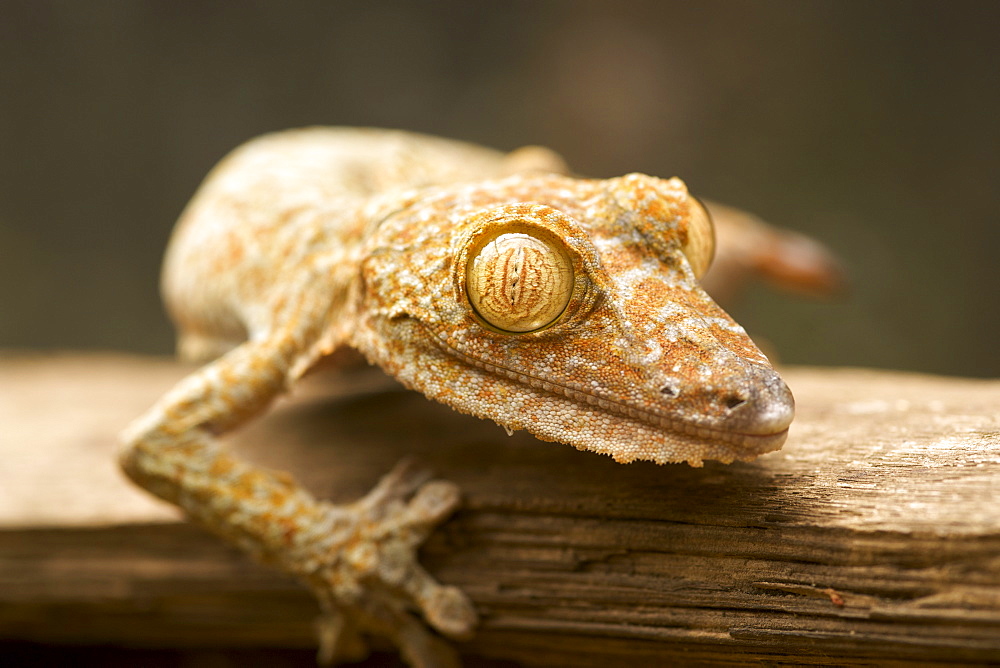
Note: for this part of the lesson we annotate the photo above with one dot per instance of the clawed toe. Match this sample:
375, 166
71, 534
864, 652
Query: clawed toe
423, 650
433, 502
372, 581
451, 612
404, 479
339, 639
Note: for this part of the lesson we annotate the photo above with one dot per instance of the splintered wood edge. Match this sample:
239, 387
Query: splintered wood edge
872, 535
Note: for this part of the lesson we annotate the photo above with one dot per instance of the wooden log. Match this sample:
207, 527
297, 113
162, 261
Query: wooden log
873, 536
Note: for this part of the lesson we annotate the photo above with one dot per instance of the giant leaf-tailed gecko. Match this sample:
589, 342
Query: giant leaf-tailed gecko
493, 283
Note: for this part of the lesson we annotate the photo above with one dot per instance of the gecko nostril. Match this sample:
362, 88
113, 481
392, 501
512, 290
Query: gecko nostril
734, 401
668, 391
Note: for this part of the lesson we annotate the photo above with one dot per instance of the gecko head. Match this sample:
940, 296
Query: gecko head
571, 308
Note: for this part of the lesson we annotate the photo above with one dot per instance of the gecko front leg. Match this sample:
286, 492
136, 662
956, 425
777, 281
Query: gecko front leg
359, 559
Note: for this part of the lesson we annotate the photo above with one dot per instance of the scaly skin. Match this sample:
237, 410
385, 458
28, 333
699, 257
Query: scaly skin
304, 242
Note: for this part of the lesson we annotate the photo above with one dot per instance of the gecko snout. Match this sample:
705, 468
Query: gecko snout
759, 403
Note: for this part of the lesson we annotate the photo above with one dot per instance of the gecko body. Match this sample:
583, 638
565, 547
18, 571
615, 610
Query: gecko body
493, 283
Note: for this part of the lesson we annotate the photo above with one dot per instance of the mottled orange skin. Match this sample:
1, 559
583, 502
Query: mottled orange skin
637, 322
302, 243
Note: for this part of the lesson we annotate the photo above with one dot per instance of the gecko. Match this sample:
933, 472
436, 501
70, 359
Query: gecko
496, 283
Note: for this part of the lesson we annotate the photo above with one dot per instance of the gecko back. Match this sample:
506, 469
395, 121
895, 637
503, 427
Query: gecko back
278, 201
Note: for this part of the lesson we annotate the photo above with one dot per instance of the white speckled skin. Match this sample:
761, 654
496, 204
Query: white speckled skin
302, 242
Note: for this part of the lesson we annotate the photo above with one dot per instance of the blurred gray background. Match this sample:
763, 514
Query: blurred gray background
872, 126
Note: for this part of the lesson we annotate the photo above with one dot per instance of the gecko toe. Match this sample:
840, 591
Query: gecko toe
339, 639
433, 502
451, 612
403, 480
422, 649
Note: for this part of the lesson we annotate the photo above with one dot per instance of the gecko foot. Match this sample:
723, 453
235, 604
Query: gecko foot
365, 573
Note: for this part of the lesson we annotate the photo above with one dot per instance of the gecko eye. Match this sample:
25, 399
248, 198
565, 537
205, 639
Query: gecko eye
519, 281
700, 246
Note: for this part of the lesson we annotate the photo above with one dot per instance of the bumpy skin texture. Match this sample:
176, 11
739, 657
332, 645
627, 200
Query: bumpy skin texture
304, 242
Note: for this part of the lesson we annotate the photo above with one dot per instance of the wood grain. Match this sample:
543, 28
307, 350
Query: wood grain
873, 536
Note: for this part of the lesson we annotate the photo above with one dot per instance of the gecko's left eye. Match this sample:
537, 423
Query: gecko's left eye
519, 281
699, 248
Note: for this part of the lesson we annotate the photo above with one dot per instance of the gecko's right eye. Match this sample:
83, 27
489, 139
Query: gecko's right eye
519, 281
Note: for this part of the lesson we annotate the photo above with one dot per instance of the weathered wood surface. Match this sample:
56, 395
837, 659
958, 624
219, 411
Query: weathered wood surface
873, 536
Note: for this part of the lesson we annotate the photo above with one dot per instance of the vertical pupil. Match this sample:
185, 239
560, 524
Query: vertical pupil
518, 282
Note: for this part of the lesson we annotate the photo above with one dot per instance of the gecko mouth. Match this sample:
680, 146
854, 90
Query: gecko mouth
754, 442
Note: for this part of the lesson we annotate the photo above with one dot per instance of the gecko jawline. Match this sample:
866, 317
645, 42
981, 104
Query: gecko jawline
756, 443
